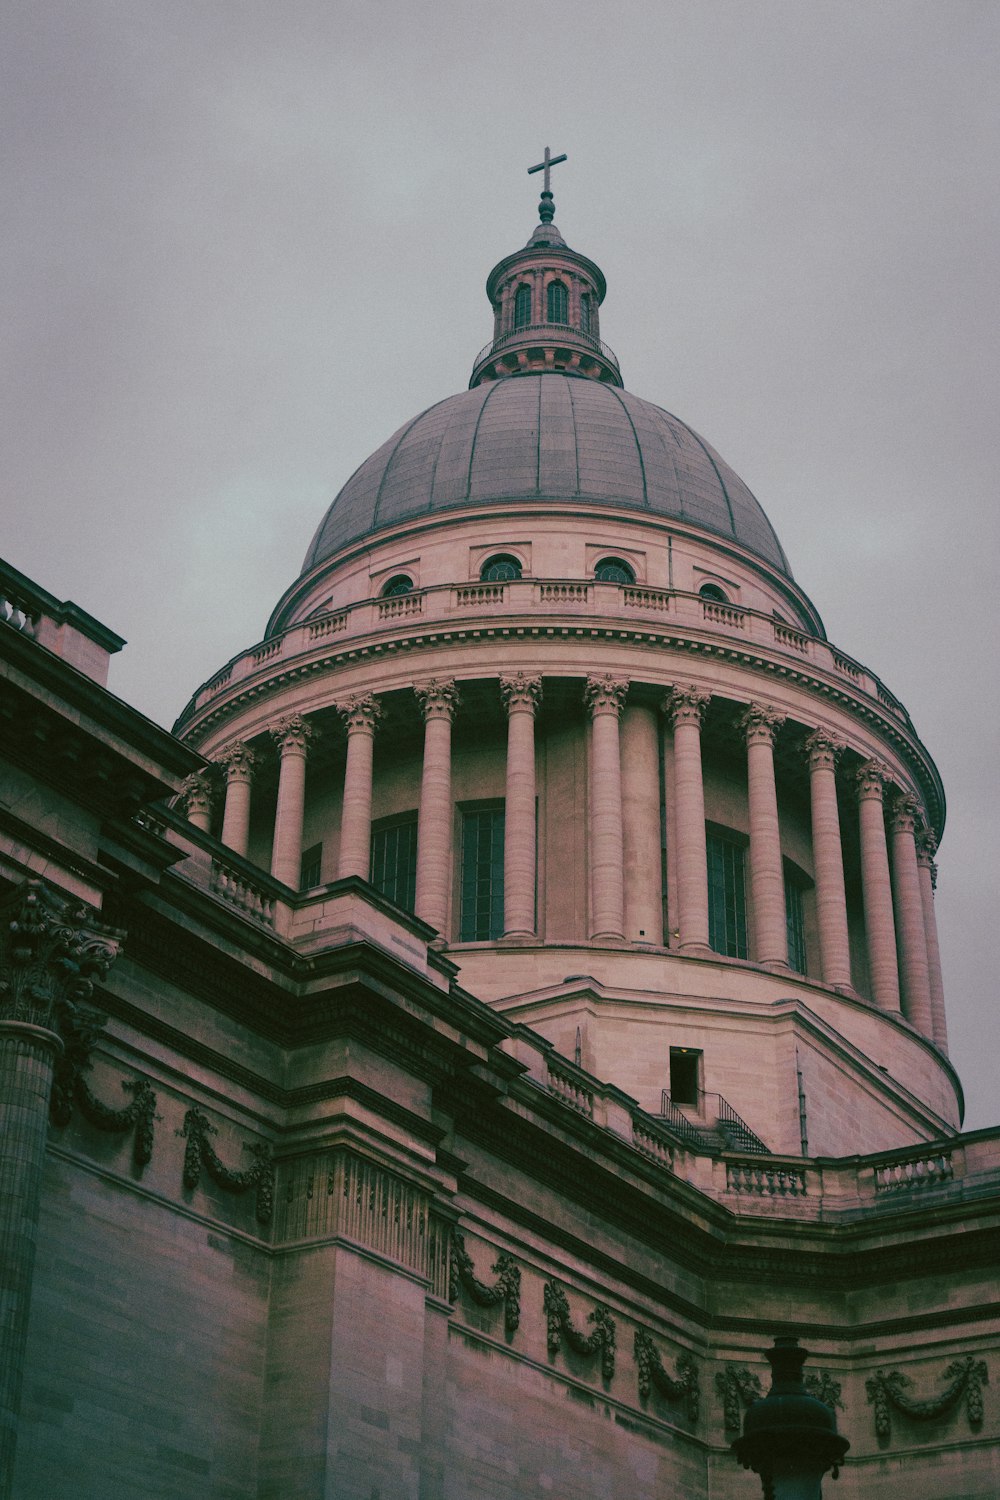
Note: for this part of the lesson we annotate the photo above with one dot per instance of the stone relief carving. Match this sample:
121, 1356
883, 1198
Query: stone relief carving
521, 693
887, 1391
506, 1288
686, 705
606, 694
79, 1027
438, 698
52, 951
199, 1152
821, 1384
682, 1390
560, 1327
361, 713
738, 1387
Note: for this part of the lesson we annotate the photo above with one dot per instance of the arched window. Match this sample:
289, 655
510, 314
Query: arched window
402, 583
558, 303
713, 593
613, 570
522, 307
586, 314
500, 569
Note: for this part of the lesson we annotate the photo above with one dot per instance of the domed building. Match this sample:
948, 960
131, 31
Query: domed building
509, 998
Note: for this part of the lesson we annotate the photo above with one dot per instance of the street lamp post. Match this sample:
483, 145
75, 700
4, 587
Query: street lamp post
789, 1437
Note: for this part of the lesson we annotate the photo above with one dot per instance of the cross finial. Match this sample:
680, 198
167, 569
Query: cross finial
546, 209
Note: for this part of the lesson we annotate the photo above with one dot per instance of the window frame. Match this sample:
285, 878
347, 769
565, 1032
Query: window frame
481, 914
728, 906
380, 829
522, 306
557, 290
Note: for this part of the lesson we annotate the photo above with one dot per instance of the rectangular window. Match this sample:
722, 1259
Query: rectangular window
727, 901
311, 870
482, 875
394, 860
795, 923
685, 1074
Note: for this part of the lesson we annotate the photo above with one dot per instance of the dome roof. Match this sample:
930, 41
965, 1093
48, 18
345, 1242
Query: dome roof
546, 437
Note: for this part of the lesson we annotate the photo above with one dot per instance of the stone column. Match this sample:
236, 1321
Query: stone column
438, 699
604, 697
51, 951
876, 886
361, 713
521, 696
198, 793
237, 762
686, 707
926, 849
640, 749
767, 880
291, 735
909, 908
822, 751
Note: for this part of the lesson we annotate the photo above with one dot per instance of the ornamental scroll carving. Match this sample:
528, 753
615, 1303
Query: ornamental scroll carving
737, 1387
887, 1391
682, 1390
200, 1153
506, 1288
52, 952
560, 1329
79, 1028
605, 694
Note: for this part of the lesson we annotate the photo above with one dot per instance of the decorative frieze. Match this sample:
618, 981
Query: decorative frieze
200, 1153
605, 694
79, 1028
560, 1329
737, 1387
506, 1288
887, 1391
52, 951
681, 1390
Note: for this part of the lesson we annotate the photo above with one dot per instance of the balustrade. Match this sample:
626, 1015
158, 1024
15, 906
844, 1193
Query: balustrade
235, 888
570, 1089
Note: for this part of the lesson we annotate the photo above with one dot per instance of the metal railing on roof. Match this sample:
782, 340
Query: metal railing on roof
550, 331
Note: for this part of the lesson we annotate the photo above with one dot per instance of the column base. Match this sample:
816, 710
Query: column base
608, 937
519, 939
697, 950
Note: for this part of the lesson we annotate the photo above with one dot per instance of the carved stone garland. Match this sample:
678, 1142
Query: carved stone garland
887, 1389
560, 1327
737, 1387
199, 1152
682, 1391
506, 1288
79, 1027
821, 1384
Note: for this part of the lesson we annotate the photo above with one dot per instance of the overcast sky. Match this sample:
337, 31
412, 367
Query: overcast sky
243, 242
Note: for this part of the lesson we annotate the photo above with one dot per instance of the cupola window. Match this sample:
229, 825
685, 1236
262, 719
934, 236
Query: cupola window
402, 583
613, 570
500, 569
522, 306
558, 303
713, 593
586, 313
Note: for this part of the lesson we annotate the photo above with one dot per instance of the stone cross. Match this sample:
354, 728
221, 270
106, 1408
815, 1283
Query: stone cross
545, 166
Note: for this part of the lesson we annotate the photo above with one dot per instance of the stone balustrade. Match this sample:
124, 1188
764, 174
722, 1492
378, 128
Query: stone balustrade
454, 604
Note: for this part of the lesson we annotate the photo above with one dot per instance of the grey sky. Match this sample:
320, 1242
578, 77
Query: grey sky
243, 242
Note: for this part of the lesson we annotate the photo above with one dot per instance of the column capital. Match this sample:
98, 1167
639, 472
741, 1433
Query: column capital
52, 951
605, 694
521, 693
438, 698
686, 704
904, 813
360, 712
292, 733
871, 777
926, 847
237, 761
760, 723
198, 792
823, 749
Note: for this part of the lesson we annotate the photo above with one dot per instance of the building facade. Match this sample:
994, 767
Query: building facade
510, 996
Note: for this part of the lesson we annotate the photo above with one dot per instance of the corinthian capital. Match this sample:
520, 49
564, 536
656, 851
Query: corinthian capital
292, 734
237, 761
521, 694
438, 698
760, 724
686, 705
51, 952
605, 694
360, 712
198, 792
823, 749
904, 814
871, 776
926, 847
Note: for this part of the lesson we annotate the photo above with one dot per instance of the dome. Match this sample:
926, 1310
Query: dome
548, 437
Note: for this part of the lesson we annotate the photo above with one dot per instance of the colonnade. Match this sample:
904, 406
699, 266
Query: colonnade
624, 855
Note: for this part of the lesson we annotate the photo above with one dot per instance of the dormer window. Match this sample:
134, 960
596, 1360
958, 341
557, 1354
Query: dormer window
401, 583
558, 303
500, 569
522, 306
613, 570
713, 593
